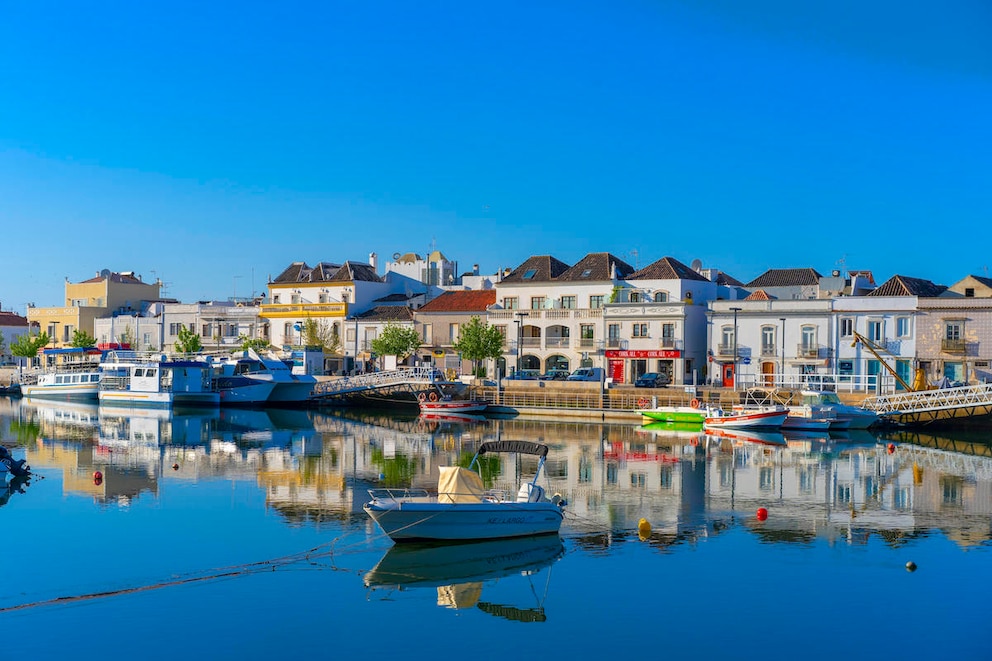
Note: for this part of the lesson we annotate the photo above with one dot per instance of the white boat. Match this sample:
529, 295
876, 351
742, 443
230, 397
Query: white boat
463, 509
808, 418
71, 374
768, 417
153, 380
845, 415
288, 388
237, 389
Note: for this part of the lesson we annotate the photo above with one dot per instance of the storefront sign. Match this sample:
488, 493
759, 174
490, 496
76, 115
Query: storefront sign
643, 353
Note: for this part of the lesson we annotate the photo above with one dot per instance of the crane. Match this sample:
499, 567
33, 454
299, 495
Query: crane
919, 383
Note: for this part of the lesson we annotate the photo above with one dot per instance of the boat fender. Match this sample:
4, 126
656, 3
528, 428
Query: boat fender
558, 500
694, 403
433, 396
422, 397
642, 403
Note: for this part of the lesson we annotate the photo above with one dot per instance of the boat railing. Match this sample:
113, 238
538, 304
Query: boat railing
399, 494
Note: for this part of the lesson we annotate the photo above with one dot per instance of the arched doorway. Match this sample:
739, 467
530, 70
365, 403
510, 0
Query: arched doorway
530, 362
556, 362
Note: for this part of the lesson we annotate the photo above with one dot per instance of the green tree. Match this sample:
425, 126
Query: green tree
257, 344
187, 341
319, 333
81, 338
478, 341
399, 341
126, 338
27, 346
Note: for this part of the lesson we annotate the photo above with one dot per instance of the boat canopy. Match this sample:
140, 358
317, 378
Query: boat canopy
523, 447
459, 485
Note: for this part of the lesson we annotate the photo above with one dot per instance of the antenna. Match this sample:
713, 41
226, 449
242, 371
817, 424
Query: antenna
633, 253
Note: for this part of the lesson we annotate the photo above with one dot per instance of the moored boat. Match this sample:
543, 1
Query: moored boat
288, 388
463, 509
153, 380
674, 414
71, 374
770, 417
448, 406
845, 415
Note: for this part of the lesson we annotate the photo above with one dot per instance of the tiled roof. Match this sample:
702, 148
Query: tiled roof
396, 298
666, 268
985, 281
539, 268
759, 295
387, 313
300, 272
901, 285
596, 267
786, 278
727, 280
476, 300
12, 319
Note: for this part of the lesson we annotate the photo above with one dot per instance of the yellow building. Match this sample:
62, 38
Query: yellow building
102, 295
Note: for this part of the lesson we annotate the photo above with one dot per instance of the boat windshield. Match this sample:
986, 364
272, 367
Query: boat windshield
821, 398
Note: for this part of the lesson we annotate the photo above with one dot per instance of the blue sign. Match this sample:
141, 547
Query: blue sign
746, 360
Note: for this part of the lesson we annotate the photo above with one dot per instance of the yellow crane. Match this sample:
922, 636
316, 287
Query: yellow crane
920, 380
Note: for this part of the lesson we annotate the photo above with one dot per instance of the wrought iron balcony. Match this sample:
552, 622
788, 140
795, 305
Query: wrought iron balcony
808, 351
953, 346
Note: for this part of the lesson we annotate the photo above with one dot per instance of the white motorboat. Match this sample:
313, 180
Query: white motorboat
463, 509
808, 418
846, 416
767, 417
289, 388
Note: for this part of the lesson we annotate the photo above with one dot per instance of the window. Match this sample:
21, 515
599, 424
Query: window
613, 332
635, 297
875, 331
295, 298
952, 330
640, 330
529, 274
808, 334
502, 331
767, 340
903, 327
661, 297
596, 302
452, 333
537, 302
586, 273
510, 303
969, 292
205, 330
174, 329
847, 327
568, 302
726, 339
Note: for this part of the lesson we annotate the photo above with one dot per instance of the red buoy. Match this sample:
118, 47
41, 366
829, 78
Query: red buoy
762, 514
175, 467
892, 448
97, 475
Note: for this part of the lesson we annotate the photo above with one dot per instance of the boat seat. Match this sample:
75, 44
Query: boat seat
530, 493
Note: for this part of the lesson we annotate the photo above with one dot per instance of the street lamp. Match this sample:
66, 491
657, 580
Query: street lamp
520, 335
735, 311
782, 369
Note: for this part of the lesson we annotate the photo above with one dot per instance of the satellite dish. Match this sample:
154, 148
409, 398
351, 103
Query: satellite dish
396, 255
696, 265
105, 273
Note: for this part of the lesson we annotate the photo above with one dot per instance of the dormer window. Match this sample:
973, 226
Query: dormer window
586, 273
529, 274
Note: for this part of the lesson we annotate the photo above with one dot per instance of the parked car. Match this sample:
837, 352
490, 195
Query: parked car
525, 375
586, 374
555, 375
651, 380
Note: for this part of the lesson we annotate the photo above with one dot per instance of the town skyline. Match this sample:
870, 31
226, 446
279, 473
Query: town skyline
209, 147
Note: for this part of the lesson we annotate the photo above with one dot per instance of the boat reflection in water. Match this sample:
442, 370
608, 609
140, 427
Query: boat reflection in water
460, 571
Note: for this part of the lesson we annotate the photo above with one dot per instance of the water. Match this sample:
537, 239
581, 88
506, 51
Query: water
240, 535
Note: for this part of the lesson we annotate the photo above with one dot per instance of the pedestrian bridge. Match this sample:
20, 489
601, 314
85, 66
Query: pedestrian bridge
933, 406
412, 377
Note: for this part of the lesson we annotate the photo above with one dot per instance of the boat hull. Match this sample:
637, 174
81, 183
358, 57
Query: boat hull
449, 408
761, 420
675, 414
88, 392
431, 521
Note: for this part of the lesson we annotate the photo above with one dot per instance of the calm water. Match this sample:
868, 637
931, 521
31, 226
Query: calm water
240, 535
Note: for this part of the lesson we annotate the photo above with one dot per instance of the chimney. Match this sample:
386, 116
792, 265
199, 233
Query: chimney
374, 261
475, 269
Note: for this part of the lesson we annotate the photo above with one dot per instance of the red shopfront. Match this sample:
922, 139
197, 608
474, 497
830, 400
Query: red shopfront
617, 360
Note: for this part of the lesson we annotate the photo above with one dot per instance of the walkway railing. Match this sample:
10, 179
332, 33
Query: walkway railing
943, 399
372, 380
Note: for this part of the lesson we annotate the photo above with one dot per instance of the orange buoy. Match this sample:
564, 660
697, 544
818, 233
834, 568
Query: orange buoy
762, 514
694, 403
892, 448
642, 403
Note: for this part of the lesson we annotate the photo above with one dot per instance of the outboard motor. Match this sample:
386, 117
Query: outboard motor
16, 467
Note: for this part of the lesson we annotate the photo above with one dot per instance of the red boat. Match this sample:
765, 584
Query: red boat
447, 406
763, 418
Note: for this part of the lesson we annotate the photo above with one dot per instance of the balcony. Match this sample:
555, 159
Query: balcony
808, 351
557, 343
616, 343
587, 342
953, 346
768, 350
670, 343
271, 310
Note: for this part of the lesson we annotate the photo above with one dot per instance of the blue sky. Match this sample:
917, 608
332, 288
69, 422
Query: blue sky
211, 144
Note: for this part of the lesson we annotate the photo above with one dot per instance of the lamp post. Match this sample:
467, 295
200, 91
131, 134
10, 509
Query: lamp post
55, 332
735, 311
782, 369
520, 336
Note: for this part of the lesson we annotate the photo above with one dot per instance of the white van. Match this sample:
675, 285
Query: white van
586, 374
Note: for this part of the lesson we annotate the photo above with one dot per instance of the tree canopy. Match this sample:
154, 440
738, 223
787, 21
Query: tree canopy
478, 341
400, 341
81, 339
26, 346
187, 341
319, 333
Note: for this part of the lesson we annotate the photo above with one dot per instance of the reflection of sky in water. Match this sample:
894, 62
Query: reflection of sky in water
188, 495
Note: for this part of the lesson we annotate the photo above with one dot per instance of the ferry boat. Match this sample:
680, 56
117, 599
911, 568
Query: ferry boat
71, 374
153, 380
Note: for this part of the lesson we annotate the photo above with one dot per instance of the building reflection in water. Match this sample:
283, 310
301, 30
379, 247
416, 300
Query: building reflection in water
318, 466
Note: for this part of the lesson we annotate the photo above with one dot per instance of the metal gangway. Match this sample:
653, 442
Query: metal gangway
404, 376
930, 406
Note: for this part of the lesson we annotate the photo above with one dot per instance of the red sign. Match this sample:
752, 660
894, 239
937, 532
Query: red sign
644, 353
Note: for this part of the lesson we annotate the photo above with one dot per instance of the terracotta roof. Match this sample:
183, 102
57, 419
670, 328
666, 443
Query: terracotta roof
760, 295
596, 267
901, 285
476, 300
387, 313
539, 268
12, 319
300, 272
667, 268
786, 278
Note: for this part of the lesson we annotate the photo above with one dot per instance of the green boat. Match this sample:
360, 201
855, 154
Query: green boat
675, 414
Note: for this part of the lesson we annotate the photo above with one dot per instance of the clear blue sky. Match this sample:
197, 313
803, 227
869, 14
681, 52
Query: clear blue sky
212, 143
